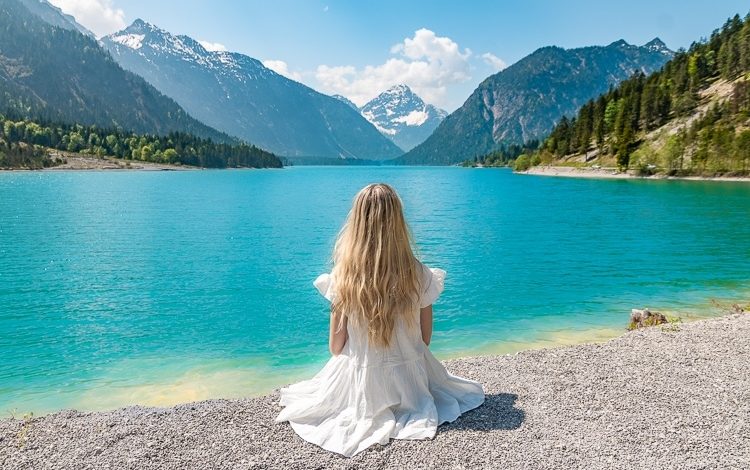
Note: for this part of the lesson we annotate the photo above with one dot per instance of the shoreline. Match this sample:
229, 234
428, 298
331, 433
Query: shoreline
232, 382
201, 383
608, 173
80, 162
671, 396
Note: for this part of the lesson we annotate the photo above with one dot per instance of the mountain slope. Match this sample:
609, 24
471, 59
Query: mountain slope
346, 101
54, 16
690, 118
524, 101
61, 75
402, 116
237, 94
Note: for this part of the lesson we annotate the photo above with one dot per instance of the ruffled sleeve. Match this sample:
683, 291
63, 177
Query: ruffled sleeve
432, 285
324, 284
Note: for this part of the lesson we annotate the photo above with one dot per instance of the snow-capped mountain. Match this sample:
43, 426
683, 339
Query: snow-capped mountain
238, 95
402, 116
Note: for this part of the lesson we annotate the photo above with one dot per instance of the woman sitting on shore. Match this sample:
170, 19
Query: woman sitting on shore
382, 381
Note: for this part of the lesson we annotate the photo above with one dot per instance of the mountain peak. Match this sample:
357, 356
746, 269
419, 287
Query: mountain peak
402, 116
143, 36
399, 88
395, 97
657, 44
139, 25
619, 43
135, 35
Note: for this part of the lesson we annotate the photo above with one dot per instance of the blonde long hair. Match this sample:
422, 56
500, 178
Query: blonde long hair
375, 271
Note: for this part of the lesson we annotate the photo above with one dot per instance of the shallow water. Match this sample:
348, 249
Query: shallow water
164, 287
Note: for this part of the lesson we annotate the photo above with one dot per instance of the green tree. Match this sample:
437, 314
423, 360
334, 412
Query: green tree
610, 115
75, 142
742, 149
674, 151
170, 156
522, 163
624, 147
147, 152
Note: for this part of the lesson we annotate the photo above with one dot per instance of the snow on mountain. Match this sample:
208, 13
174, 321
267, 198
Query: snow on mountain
156, 45
133, 41
240, 96
402, 116
657, 45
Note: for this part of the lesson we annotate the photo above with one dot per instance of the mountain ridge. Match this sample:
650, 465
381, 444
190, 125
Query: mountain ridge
58, 74
690, 118
524, 101
242, 97
55, 16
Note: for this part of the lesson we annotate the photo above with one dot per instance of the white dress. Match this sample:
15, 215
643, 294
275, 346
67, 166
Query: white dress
368, 395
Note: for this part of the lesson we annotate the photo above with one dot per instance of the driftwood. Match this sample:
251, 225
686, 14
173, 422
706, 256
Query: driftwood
645, 317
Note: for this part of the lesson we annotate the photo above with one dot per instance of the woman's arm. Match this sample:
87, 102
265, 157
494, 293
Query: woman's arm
337, 336
425, 323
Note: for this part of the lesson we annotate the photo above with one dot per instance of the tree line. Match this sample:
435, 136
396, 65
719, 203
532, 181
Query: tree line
24, 143
615, 123
506, 155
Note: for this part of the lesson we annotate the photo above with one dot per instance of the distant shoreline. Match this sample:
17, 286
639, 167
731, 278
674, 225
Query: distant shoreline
608, 173
78, 162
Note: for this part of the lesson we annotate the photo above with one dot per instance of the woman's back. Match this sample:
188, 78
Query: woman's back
382, 381
406, 340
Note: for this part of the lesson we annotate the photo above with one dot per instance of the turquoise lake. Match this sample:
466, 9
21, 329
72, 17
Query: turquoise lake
164, 287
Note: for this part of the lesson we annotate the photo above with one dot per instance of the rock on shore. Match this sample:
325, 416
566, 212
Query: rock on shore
674, 396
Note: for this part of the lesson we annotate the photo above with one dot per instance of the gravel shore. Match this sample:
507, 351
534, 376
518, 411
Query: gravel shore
662, 397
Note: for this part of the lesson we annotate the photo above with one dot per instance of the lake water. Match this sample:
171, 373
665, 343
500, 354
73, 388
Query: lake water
164, 287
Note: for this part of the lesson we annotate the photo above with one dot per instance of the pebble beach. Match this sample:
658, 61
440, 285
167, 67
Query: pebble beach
671, 396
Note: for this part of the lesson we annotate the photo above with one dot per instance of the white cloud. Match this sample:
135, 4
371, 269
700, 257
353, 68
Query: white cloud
325, 9
425, 62
494, 61
282, 68
213, 46
100, 16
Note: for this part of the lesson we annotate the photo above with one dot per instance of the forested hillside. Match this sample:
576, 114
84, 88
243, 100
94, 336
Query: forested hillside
524, 101
60, 75
25, 144
692, 117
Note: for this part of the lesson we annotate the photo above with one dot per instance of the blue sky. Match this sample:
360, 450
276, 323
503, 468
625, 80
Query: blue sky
441, 49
